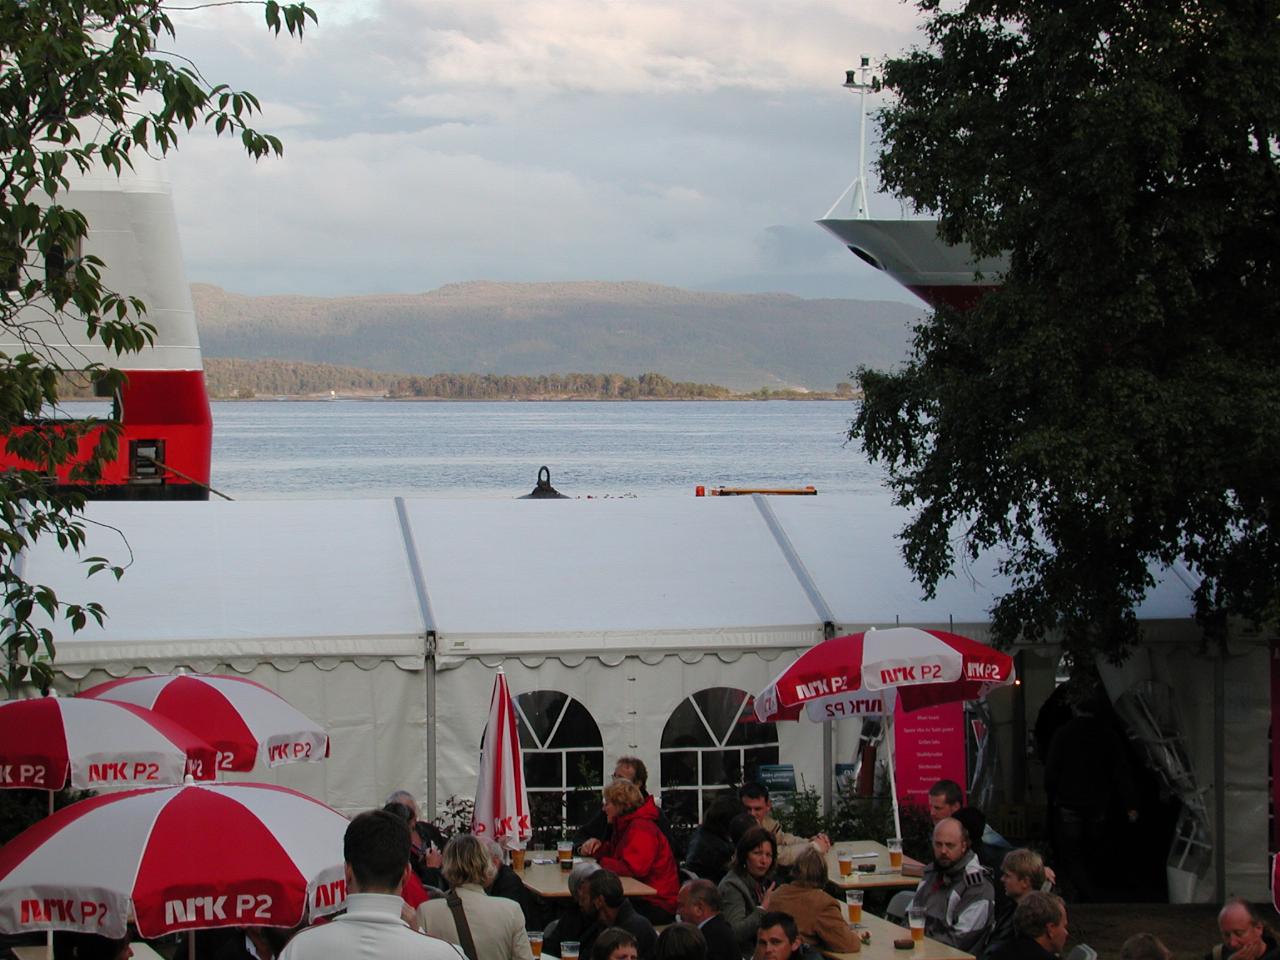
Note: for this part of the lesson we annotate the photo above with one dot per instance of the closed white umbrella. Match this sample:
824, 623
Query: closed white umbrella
502, 804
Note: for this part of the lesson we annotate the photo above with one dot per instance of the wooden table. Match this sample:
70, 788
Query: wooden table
867, 851
881, 947
548, 880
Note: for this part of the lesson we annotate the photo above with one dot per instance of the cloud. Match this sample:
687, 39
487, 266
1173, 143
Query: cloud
429, 142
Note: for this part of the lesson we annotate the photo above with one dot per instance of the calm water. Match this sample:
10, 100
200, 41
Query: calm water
344, 449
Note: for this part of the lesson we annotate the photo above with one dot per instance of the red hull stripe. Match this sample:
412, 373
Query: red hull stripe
167, 405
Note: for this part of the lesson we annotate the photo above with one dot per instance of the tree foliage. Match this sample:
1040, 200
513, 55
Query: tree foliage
85, 85
1117, 401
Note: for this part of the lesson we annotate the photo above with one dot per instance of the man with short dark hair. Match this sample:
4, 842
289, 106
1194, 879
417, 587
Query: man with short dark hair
1041, 924
945, 798
1244, 935
699, 904
778, 939
955, 892
375, 849
601, 901
755, 800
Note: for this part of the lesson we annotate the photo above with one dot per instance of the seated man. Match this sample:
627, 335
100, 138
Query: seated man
572, 923
376, 850
955, 892
591, 834
1244, 935
1021, 871
428, 842
945, 799
601, 901
699, 904
507, 884
1041, 924
755, 800
778, 939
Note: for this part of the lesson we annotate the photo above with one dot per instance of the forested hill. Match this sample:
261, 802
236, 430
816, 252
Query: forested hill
741, 341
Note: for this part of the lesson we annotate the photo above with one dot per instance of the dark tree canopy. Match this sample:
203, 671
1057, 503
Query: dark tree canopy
1117, 400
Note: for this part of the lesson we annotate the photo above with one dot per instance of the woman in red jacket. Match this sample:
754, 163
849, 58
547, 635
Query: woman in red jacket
637, 848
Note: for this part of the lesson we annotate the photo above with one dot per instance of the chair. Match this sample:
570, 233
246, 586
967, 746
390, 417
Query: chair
1081, 951
896, 911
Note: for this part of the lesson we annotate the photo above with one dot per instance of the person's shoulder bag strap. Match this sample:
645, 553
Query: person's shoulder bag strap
460, 921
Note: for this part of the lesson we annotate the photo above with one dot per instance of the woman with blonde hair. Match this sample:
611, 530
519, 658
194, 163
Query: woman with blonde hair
820, 917
637, 848
493, 925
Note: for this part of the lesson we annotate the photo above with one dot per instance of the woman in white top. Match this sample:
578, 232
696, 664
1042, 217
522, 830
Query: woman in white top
496, 924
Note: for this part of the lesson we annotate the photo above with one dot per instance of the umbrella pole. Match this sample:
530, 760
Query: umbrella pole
48, 940
893, 781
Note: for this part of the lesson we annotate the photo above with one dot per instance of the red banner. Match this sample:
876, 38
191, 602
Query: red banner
928, 746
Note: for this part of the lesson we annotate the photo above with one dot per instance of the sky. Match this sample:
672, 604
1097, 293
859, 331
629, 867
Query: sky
683, 142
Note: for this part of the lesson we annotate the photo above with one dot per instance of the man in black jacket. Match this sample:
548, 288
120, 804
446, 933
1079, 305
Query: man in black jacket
601, 899
699, 904
1021, 871
595, 831
1041, 924
1244, 934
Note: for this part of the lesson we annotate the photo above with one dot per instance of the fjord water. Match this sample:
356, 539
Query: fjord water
352, 448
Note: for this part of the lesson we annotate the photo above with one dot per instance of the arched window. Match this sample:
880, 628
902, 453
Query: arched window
563, 758
711, 742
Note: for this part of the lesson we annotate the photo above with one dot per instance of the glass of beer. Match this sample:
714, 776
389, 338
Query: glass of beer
845, 859
564, 853
569, 949
517, 858
915, 919
853, 900
895, 853
535, 944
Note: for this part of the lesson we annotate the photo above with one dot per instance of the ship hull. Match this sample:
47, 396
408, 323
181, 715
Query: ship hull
166, 431
911, 252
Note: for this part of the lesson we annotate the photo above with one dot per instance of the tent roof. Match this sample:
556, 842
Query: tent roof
219, 579
252, 580
853, 552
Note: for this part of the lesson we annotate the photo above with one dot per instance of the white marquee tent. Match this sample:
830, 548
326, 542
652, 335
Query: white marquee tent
384, 619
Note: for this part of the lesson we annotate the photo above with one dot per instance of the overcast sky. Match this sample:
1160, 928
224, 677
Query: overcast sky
682, 142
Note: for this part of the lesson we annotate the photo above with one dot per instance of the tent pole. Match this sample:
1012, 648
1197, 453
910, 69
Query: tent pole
431, 725
828, 766
48, 942
893, 780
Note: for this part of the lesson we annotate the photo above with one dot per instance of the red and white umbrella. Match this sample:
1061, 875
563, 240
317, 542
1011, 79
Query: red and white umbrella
245, 722
862, 674
177, 858
502, 804
52, 742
